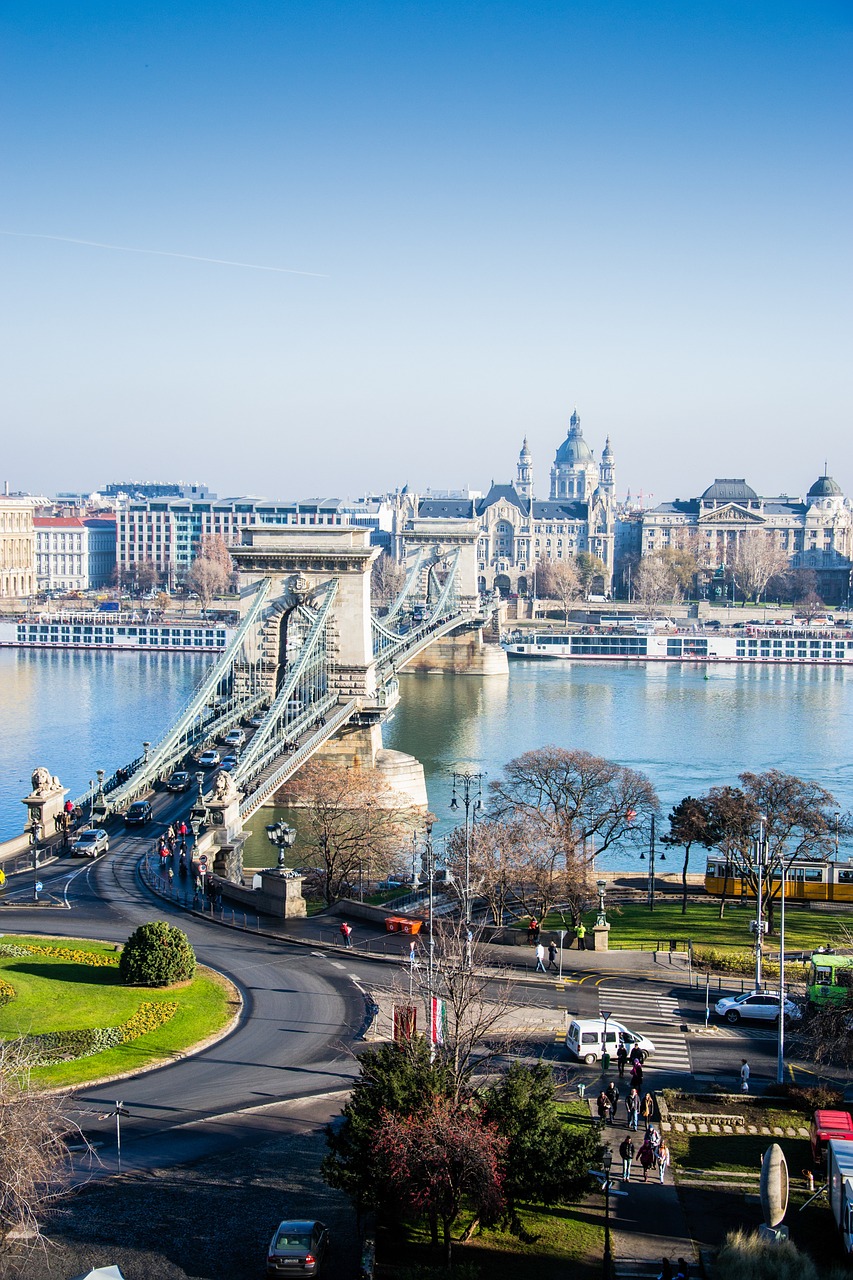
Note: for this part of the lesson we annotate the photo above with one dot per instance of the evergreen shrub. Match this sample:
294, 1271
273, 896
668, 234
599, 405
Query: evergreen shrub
156, 955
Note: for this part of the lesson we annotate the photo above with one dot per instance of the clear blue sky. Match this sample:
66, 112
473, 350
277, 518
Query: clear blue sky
640, 208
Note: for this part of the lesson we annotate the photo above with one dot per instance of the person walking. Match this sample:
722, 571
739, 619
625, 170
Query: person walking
621, 1059
626, 1151
637, 1076
683, 1270
580, 933
744, 1076
602, 1104
346, 933
646, 1158
632, 1105
613, 1094
540, 958
665, 1270
552, 956
648, 1108
531, 930
663, 1158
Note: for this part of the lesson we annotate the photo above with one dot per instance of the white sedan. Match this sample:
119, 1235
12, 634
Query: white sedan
758, 1006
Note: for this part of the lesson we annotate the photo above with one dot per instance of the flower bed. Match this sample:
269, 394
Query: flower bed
67, 1046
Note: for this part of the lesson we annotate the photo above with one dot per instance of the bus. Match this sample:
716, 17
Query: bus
826, 984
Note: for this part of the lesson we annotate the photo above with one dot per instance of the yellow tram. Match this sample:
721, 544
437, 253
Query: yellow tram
806, 880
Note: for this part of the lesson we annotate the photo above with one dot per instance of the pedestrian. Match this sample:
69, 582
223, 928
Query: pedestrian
346, 933
171, 876
632, 1105
637, 1076
602, 1103
613, 1095
621, 1059
648, 1108
183, 831
552, 956
540, 958
683, 1270
655, 1139
626, 1151
663, 1158
531, 930
646, 1158
580, 934
665, 1270
744, 1076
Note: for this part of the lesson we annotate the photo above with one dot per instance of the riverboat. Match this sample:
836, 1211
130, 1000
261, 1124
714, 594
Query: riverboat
113, 632
786, 646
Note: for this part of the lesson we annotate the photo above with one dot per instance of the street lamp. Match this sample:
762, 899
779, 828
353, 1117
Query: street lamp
601, 886
99, 804
470, 786
198, 813
146, 748
607, 1164
283, 837
760, 859
35, 836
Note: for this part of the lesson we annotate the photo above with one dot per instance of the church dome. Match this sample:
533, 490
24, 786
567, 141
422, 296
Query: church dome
525, 455
825, 487
574, 451
729, 491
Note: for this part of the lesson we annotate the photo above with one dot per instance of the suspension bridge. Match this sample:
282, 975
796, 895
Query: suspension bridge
309, 655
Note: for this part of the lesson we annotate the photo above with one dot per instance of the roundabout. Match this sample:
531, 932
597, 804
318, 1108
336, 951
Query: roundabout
64, 1000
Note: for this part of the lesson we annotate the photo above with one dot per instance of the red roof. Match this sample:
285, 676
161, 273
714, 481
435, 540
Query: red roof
58, 522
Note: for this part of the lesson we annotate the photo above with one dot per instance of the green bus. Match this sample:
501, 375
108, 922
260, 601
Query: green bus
825, 984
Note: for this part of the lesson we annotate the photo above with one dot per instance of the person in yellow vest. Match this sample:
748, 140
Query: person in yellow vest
580, 934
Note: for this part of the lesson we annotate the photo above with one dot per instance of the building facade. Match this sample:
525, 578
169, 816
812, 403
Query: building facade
814, 533
74, 553
519, 531
17, 548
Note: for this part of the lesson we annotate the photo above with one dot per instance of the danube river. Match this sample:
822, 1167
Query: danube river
75, 712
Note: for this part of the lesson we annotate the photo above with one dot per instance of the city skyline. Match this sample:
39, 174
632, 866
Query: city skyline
640, 211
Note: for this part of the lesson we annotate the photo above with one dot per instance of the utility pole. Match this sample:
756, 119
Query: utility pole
760, 852
470, 786
652, 866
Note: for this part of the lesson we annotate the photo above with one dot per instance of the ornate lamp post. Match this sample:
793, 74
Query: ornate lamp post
283, 837
198, 813
601, 886
99, 804
35, 836
651, 888
470, 788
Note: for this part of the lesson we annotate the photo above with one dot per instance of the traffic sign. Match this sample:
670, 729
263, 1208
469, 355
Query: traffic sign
39, 886
202, 862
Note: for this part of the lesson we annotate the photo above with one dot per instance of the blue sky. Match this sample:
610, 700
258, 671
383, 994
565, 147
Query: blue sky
642, 209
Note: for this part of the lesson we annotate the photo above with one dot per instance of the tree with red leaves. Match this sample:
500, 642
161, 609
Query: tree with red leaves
441, 1157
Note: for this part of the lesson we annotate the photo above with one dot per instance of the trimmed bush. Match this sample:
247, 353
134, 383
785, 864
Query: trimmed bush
748, 1257
156, 955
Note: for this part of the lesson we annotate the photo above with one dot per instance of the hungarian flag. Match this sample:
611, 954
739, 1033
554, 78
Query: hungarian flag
437, 1020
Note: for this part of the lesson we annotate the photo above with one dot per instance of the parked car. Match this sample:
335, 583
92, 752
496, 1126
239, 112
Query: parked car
760, 1006
235, 738
138, 814
179, 781
90, 843
297, 1249
209, 759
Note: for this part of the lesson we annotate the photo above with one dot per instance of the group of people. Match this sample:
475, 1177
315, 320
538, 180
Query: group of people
534, 930
653, 1153
667, 1273
607, 1105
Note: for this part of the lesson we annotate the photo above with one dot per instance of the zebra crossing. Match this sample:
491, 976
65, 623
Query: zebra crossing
654, 1014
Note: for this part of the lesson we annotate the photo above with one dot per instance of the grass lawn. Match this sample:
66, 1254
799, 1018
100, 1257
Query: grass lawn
739, 1152
55, 994
633, 925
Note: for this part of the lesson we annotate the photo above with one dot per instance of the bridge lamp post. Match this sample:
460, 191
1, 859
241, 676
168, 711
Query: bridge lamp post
282, 837
470, 788
99, 804
35, 836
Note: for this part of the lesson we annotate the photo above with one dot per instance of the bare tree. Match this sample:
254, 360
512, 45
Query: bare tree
206, 579
33, 1154
387, 578
654, 582
497, 854
355, 822
758, 558
811, 606
560, 580
580, 803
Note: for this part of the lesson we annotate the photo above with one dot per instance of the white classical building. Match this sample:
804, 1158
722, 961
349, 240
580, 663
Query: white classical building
519, 531
74, 553
815, 532
17, 548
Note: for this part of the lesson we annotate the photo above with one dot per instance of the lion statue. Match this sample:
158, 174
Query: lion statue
223, 787
42, 781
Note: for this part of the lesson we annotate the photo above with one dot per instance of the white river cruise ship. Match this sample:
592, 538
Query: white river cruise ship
114, 631
782, 645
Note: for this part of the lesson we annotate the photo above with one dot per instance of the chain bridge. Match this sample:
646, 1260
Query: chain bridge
309, 655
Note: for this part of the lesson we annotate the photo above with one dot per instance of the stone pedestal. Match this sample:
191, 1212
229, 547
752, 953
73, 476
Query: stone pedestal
45, 802
600, 937
281, 896
224, 838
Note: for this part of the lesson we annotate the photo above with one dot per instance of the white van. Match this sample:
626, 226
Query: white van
585, 1039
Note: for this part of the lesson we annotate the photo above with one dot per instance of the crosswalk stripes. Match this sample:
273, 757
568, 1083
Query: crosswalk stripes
650, 1013
749, 1033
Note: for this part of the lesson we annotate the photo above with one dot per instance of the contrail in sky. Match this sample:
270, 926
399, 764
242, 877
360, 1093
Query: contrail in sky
166, 253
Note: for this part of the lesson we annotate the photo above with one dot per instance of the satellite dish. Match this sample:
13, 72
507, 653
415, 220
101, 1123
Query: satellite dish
774, 1186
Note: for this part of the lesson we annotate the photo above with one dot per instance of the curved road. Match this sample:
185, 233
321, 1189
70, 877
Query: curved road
301, 1011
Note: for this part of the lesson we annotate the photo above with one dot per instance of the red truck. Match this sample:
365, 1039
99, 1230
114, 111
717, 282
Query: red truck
826, 1125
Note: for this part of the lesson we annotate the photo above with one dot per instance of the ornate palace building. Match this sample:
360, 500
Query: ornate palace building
814, 533
518, 530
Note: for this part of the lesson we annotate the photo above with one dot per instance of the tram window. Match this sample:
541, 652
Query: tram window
822, 976
813, 873
845, 877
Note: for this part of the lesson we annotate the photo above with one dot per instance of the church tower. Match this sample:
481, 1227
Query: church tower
608, 471
524, 472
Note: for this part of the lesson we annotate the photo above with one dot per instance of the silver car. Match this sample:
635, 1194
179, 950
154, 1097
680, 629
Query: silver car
758, 1006
297, 1248
90, 843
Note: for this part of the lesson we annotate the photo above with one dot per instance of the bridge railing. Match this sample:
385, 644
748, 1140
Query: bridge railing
270, 784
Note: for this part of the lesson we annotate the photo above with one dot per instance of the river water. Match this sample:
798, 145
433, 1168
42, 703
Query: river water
74, 712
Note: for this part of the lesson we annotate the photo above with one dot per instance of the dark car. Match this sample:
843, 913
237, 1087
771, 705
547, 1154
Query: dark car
297, 1248
138, 814
179, 781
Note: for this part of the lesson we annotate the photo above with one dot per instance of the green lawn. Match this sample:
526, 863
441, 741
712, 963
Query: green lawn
633, 925
54, 994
